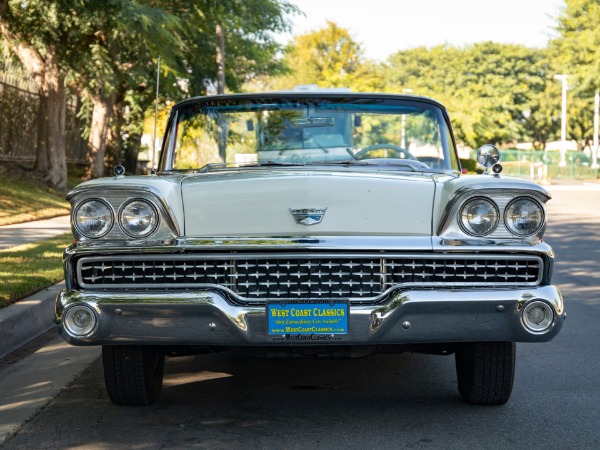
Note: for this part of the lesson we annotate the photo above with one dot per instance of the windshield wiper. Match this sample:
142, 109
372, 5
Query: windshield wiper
217, 166
273, 163
212, 166
414, 166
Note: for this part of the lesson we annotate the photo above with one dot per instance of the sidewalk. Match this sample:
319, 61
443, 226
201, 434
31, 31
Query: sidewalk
23, 233
27, 385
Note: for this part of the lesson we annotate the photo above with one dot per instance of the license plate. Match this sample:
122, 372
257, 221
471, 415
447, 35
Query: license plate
293, 318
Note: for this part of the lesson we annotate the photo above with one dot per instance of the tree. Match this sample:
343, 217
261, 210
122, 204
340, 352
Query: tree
87, 44
329, 57
121, 40
36, 36
247, 28
577, 48
576, 51
106, 50
494, 92
245, 39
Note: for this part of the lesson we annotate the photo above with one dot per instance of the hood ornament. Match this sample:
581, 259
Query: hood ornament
308, 216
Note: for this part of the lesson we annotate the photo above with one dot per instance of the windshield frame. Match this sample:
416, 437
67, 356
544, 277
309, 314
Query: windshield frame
168, 147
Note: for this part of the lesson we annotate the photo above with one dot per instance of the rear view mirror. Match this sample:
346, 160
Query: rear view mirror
312, 122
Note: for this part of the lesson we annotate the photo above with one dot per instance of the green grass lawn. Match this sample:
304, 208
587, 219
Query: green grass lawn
28, 268
24, 200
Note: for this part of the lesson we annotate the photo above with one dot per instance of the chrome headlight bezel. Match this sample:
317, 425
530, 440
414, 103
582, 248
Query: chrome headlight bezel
466, 228
509, 223
111, 215
538, 325
151, 230
70, 320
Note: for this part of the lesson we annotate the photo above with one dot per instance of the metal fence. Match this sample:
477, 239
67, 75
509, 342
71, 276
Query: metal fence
539, 165
20, 119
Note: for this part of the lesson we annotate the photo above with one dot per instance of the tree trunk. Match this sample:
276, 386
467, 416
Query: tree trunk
220, 35
50, 154
42, 161
56, 175
101, 114
55, 97
114, 140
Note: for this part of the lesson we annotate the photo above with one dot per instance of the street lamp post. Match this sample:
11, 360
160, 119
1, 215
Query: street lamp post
595, 144
563, 119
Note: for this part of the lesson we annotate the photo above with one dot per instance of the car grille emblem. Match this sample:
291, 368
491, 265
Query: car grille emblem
308, 216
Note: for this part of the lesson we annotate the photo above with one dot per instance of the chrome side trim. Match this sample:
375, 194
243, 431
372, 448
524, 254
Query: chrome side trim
410, 243
169, 147
325, 243
486, 244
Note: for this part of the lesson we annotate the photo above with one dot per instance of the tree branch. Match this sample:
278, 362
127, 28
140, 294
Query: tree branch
28, 55
3, 7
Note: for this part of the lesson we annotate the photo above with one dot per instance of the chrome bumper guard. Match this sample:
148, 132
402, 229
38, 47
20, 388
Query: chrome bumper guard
412, 316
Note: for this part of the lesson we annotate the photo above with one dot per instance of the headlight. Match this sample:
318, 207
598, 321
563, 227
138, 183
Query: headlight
479, 216
524, 216
138, 218
93, 218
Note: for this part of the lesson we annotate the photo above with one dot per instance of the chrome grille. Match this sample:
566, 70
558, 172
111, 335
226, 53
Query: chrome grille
293, 276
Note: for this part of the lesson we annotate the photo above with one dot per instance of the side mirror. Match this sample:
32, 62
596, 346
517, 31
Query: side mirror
489, 156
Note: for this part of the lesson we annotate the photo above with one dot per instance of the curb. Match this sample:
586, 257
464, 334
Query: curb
27, 319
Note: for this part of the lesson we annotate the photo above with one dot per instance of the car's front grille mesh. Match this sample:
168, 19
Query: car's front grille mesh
258, 277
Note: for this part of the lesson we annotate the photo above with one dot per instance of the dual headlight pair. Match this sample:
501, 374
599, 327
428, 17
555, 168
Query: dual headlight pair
137, 218
480, 216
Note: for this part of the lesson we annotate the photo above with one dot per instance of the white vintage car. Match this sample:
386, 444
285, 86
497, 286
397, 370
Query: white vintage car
309, 223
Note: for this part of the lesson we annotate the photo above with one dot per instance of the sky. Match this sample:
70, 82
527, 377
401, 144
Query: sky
386, 26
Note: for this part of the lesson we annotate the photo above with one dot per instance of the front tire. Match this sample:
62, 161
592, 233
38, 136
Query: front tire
133, 374
485, 371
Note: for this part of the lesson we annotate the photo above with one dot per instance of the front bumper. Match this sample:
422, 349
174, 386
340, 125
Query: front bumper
204, 317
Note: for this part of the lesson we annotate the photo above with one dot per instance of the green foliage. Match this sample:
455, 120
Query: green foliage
577, 49
329, 57
189, 67
108, 50
470, 165
576, 52
494, 92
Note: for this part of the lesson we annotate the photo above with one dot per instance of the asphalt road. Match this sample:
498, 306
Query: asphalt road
386, 401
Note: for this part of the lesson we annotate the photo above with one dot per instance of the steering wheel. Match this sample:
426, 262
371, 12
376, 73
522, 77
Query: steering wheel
396, 149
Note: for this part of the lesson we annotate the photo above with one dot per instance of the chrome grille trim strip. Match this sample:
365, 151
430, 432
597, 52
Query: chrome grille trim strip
361, 277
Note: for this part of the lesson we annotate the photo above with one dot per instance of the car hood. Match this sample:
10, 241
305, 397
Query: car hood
262, 203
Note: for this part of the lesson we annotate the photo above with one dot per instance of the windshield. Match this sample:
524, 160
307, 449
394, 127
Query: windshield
247, 132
